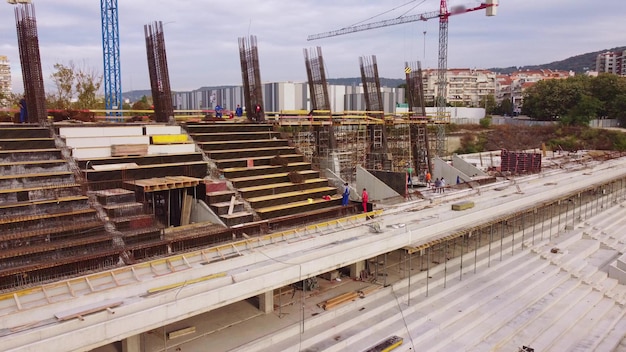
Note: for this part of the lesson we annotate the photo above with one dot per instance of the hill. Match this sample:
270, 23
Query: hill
579, 63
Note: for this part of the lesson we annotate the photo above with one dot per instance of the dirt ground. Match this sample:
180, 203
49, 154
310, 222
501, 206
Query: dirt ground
526, 137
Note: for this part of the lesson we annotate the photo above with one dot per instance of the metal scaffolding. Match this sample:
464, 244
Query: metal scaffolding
159, 73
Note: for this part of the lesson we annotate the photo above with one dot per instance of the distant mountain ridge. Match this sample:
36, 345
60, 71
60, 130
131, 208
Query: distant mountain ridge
579, 64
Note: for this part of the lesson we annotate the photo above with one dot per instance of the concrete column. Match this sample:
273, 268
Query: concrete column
132, 344
356, 268
266, 301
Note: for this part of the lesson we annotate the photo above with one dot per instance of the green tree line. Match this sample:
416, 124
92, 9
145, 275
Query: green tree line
577, 100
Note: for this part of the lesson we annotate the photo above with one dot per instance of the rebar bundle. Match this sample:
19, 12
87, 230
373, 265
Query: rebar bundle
251, 77
419, 132
415, 88
371, 84
30, 60
318, 87
159, 73
377, 157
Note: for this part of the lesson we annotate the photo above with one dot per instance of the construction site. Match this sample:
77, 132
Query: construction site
181, 232
108, 191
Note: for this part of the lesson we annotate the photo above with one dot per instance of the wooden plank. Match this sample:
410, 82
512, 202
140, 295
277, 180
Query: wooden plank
181, 332
463, 205
120, 166
79, 312
129, 149
338, 300
185, 214
231, 206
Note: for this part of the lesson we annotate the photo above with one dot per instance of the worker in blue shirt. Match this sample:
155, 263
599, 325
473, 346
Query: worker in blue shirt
218, 111
23, 111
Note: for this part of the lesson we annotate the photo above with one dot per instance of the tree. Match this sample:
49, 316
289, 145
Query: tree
76, 87
142, 104
577, 99
9, 99
87, 84
63, 79
504, 108
585, 110
489, 103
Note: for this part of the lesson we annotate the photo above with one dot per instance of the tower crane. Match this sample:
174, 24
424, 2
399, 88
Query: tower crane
443, 14
111, 55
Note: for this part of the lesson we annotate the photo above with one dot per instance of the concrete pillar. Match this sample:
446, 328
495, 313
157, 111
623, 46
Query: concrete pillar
356, 268
132, 344
266, 302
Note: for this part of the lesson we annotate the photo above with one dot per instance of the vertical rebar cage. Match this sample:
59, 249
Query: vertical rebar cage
159, 73
251, 77
30, 61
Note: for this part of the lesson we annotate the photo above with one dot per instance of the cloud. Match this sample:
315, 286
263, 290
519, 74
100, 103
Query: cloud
202, 48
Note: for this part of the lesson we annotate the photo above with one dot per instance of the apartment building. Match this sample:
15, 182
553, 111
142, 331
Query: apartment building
611, 62
513, 86
5, 75
466, 87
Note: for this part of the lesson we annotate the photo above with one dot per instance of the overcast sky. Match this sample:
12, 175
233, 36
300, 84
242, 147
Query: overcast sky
201, 37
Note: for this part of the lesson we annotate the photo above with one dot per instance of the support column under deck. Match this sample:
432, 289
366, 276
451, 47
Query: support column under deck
132, 344
356, 269
266, 302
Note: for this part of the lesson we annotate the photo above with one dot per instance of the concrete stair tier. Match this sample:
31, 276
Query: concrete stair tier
196, 169
261, 160
107, 154
245, 176
128, 216
219, 197
552, 296
48, 227
246, 154
23, 155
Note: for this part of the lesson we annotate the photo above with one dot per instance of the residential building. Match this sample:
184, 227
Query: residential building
5, 75
513, 86
466, 87
611, 62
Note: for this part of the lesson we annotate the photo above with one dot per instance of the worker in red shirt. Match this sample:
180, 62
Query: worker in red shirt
365, 198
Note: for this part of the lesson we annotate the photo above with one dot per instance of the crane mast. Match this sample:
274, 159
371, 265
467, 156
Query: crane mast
442, 65
111, 55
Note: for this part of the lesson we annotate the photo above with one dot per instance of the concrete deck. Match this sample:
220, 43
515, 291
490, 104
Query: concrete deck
502, 298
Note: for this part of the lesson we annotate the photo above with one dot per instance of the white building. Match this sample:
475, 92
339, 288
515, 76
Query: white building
466, 87
285, 96
5, 76
611, 62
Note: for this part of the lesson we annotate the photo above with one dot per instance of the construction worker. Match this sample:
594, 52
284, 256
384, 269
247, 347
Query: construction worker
365, 198
218, 111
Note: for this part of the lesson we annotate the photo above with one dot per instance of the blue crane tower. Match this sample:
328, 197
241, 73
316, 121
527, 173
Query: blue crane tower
111, 56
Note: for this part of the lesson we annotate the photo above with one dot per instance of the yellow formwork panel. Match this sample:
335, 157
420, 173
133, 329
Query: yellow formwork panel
169, 138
